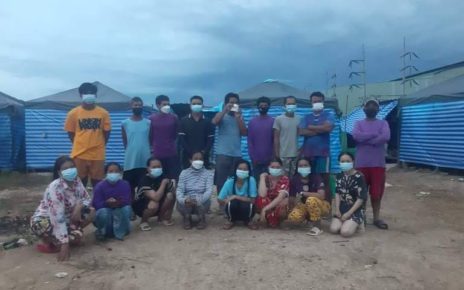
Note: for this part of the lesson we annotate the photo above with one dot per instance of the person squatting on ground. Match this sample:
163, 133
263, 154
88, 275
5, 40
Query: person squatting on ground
308, 190
112, 201
194, 192
155, 196
238, 196
63, 211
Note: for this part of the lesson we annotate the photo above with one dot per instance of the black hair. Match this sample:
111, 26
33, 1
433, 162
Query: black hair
196, 152
276, 159
263, 100
153, 159
241, 161
111, 164
298, 161
161, 98
345, 153
288, 97
88, 88
137, 100
196, 98
230, 96
317, 94
58, 163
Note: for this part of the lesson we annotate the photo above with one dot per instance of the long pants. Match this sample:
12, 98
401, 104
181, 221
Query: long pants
199, 209
313, 209
237, 210
225, 166
113, 222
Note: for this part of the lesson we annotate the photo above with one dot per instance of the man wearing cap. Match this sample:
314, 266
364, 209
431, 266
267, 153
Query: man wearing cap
88, 127
371, 135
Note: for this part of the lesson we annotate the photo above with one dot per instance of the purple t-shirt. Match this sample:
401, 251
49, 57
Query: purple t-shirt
104, 190
163, 131
260, 139
371, 137
318, 145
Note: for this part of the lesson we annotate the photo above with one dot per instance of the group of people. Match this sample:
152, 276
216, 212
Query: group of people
282, 181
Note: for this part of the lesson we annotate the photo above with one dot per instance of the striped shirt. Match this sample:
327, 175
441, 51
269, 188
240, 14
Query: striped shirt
196, 184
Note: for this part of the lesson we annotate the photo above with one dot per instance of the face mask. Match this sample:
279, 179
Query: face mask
196, 108
242, 174
69, 174
290, 108
235, 108
346, 166
275, 171
113, 177
156, 172
318, 107
304, 171
263, 111
137, 111
197, 164
89, 99
370, 113
166, 109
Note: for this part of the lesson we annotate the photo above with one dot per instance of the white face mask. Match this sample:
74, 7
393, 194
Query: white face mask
197, 164
318, 107
89, 99
166, 109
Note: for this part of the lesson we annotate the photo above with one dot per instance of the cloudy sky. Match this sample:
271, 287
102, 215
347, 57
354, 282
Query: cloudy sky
182, 48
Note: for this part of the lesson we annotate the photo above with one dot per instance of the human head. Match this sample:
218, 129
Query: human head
137, 106
154, 167
113, 167
317, 100
62, 163
371, 108
290, 104
275, 167
231, 98
162, 103
88, 93
263, 104
196, 104
346, 160
242, 169
303, 167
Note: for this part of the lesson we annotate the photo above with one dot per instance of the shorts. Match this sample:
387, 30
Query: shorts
375, 180
171, 167
141, 204
95, 169
320, 164
289, 165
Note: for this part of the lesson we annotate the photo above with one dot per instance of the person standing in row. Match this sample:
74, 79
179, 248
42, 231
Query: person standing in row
371, 136
88, 127
316, 128
261, 138
286, 136
230, 129
163, 132
136, 139
196, 133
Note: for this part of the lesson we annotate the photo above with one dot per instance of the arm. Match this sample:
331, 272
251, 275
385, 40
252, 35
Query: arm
241, 124
180, 193
210, 141
126, 196
106, 127
318, 129
57, 216
337, 206
242, 198
383, 137
183, 142
356, 205
360, 136
226, 191
250, 140
124, 137
209, 187
306, 132
98, 201
319, 194
107, 136
276, 143
70, 126
218, 118
71, 136
262, 188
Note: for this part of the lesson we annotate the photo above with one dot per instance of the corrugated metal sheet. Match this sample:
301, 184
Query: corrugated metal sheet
433, 134
6, 142
347, 123
335, 147
46, 139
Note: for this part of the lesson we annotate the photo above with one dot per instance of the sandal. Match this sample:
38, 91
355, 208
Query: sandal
47, 248
168, 223
315, 231
145, 227
252, 226
381, 224
228, 225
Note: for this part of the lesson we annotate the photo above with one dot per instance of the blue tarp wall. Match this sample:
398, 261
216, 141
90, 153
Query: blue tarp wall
12, 138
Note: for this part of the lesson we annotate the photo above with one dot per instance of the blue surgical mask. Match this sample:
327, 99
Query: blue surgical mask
346, 166
304, 171
290, 108
113, 177
89, 99
242, 174
275, 171
196, 108
156, 172
69, 174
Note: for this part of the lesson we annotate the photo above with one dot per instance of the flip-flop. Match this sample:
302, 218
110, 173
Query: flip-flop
168, 223
145, 227
315, 231
47, 248
228, 225
381, 224
252, 226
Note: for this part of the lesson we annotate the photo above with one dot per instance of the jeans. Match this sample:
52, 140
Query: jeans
113, 222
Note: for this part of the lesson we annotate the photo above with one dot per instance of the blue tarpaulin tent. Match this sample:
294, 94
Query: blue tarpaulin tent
347, 123
11, 133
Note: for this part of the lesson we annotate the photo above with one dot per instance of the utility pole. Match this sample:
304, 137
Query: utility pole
408, 67
359, 73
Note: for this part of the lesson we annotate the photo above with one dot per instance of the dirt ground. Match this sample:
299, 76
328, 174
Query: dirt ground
422, 250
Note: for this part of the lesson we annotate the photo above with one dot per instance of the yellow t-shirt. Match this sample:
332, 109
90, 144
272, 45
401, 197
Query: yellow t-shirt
88, 126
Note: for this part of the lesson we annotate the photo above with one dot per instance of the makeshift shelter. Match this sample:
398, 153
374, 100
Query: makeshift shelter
277, 91
432, 125
11, 133
45, 117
